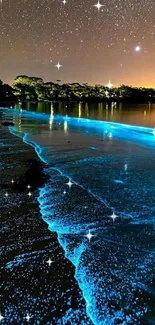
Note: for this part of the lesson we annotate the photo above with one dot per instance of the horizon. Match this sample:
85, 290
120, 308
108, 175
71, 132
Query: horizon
70, 82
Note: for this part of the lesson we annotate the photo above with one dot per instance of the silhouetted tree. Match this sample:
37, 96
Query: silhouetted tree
32, 88
6, 93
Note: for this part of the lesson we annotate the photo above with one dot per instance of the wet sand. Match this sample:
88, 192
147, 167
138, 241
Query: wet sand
48, 294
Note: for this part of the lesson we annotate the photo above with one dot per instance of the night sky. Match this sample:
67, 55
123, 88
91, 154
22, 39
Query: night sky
93, 45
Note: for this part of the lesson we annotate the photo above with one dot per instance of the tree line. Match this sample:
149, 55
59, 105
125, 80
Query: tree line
26, 88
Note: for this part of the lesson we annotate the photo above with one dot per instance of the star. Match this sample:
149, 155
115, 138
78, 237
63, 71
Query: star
12, 181
64, 192
113, 216
27, 317
69, 183
137, 48
89, 236
29, 194
58, 65
109, 85
28, 186
98, 5
6, 194
64, 1
49, 262
1, 318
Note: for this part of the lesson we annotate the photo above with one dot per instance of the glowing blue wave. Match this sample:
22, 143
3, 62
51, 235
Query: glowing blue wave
55, 227
138, 134
71, 236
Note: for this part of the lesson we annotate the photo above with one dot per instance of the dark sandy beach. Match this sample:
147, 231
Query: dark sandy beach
115, 272
48, 294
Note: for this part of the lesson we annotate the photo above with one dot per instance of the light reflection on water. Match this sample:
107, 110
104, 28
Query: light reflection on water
136, 114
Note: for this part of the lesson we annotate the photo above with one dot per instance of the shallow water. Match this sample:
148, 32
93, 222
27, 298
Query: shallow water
112, 170
137, 114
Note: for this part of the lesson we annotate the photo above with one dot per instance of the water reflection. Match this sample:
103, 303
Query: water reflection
51, 117
80, 109
136, 114
65, 127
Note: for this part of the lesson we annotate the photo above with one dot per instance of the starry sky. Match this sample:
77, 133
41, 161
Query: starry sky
93, 43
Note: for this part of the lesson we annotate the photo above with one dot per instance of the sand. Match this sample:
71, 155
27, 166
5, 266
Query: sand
48, 294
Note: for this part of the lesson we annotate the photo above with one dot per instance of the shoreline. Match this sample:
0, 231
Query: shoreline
29, 285
68, 305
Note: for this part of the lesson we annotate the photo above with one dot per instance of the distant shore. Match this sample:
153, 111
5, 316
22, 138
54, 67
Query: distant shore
25, 88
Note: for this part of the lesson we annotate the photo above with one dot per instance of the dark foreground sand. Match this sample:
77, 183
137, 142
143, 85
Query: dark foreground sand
28, 284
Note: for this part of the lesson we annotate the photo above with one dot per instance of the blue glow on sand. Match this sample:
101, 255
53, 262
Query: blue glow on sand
69, 232
53, 226
118, 181
24, 136
76, 254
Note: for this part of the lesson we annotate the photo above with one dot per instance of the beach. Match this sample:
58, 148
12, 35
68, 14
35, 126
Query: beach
79, 250
49, 294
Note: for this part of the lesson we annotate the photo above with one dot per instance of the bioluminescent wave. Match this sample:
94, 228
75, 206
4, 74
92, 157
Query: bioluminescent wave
111, 171
137, 134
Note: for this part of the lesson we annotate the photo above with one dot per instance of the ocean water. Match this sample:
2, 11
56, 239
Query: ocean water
111, 169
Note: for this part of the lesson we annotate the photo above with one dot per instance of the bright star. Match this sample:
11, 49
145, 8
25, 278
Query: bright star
98, 5
29, 194
49, 262
113, 216
28, 186
1, 318
89, 236
69, 183
27, 317
6, 194
137, 48
58, 65
64, 192
64, 1
109, 85
12, 181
